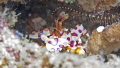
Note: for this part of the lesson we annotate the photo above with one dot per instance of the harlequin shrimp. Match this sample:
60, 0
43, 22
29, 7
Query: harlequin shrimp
61, 38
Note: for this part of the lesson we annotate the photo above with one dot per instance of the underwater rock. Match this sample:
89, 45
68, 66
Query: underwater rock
106, 41
112, 33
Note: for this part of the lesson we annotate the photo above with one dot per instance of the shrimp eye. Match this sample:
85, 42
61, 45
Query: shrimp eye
62, 13
66, 16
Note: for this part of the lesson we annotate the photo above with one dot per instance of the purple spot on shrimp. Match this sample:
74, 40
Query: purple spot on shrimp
85, 50
72, 43
58, 49
74, 34
32, 33
49, 42
61, 34
39, 35
80, 31
56, 42
68, 38
52, 49
75, 28
56, 39
76, 43
61, 46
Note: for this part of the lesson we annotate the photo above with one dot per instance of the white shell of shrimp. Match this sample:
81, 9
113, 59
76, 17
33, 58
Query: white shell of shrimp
44, 38
55, 46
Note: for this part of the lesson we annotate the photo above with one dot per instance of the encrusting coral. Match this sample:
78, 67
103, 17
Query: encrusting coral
106, 41
90, 5
10, 16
